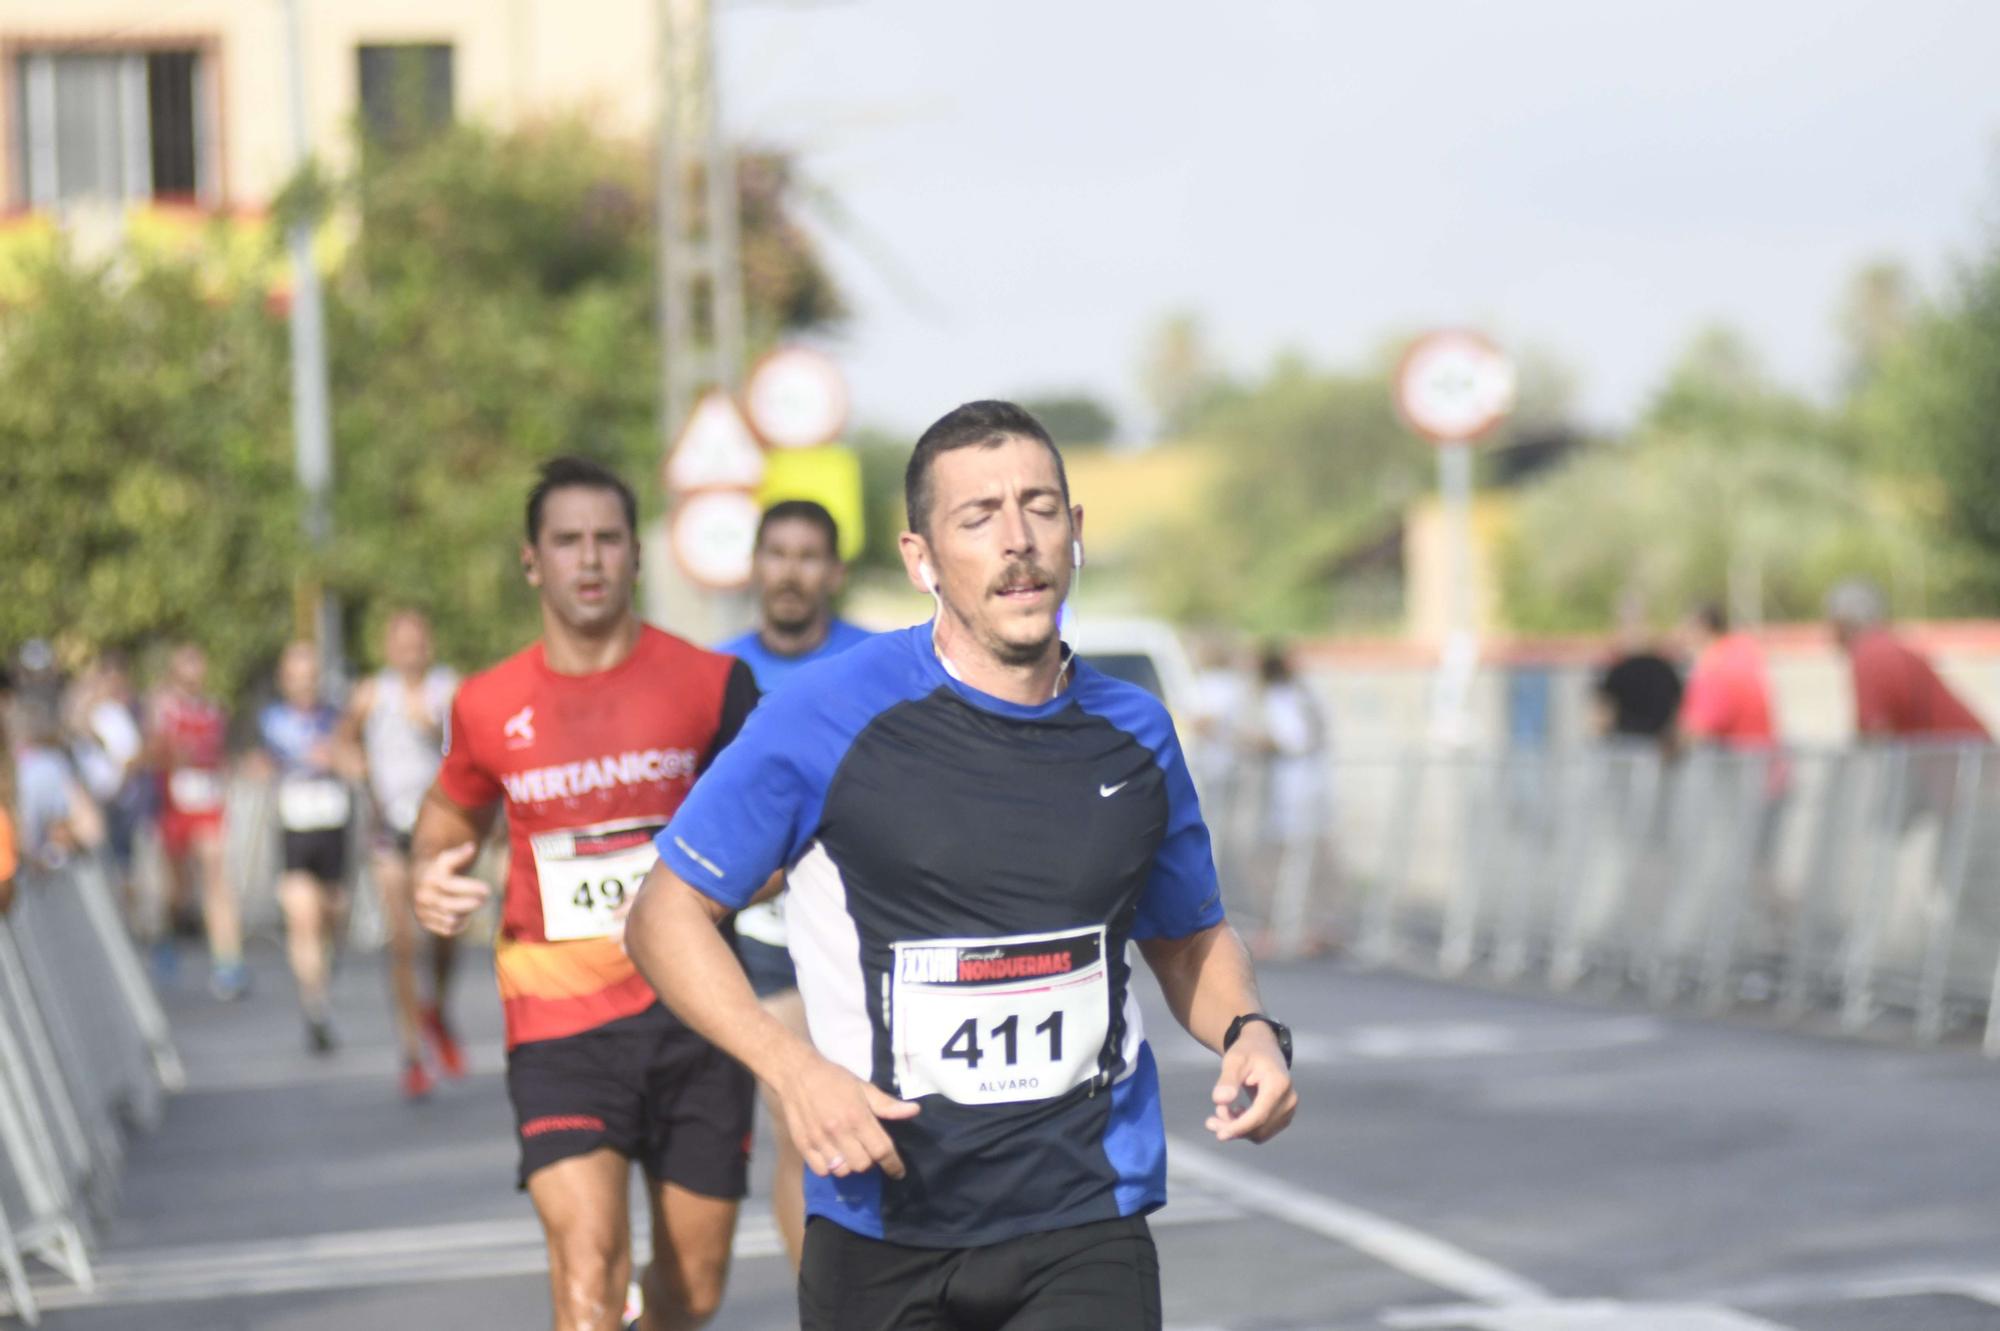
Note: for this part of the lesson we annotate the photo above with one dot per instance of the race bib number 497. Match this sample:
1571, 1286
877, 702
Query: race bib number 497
999, 1020
587, 873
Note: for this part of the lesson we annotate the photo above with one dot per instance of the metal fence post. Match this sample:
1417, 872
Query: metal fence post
1955, 857
1857, 1005
1831, 830
1740, 872
1459, 940
38, 1059
130, 975
14, 1271
1378, 928
51, 1224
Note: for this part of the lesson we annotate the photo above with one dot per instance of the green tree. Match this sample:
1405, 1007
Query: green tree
1073, 418
494, 308
1314, 465
146, 459
1718, 388
1679, 519
1932, 414
1177, 372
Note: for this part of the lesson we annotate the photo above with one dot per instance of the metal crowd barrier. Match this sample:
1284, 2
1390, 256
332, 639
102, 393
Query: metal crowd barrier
85, 1055
1862, 885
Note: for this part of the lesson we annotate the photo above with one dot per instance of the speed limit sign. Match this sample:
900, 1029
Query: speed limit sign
1452, 387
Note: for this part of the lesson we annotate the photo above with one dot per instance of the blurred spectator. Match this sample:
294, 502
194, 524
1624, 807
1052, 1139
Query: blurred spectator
186, 746
1289, 731
1639, 692
1727, 705
1728, 695
38, 680
1897, 694
57, 817
1221, 699
101, 718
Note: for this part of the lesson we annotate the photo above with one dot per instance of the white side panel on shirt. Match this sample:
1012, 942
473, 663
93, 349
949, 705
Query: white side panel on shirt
826, 950
1135, 1022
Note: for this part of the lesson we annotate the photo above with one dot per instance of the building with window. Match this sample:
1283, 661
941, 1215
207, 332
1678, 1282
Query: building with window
122, 103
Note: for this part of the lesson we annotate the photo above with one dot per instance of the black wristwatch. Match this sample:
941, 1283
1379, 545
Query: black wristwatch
1278, 1028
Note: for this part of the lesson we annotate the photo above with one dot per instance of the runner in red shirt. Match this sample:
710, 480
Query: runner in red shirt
1897, 693
592, 737
187, 733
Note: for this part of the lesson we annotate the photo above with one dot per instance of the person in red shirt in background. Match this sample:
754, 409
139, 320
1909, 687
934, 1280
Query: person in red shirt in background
1897, 694
186, 743
1728, 695
1727, 705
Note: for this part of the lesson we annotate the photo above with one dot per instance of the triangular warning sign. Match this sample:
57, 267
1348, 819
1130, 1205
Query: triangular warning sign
716, 449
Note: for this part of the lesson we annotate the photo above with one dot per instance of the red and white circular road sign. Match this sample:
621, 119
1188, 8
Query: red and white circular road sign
796, 398
1454, 386
713, 534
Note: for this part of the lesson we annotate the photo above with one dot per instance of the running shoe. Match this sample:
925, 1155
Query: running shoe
417, 1083
166, 963
319, 1037
450, 1055
635, 1307
229, 982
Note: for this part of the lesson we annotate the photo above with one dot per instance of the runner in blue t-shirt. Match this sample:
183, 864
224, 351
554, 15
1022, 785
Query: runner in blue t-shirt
975, 826
796, 571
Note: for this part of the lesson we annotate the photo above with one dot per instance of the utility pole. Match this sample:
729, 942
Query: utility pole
701, 315
312, 435
691, 130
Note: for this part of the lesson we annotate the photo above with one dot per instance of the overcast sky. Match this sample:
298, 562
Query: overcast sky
1030, 184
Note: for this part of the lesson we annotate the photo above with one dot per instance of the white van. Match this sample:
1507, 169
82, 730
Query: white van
1147, 652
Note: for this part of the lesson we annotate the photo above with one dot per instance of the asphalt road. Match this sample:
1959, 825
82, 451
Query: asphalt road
1464, 1159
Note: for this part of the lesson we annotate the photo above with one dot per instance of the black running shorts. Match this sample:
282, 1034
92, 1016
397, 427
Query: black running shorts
769, 968
321, 853
647, 1087
1103, 1276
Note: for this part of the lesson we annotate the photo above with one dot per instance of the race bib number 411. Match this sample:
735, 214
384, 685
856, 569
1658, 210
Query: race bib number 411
986, 1021
587, 873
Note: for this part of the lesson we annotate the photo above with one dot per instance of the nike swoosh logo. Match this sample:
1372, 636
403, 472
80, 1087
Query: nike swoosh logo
1108, 791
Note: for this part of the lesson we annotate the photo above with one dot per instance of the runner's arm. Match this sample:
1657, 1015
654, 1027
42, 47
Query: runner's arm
1207, 979
672, 937
350, 756
442, 847
1208, 982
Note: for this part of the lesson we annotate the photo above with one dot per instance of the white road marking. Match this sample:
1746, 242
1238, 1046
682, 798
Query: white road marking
403, 1255
1583, 1315
1410, 1251
1417, 1041
1980, 1286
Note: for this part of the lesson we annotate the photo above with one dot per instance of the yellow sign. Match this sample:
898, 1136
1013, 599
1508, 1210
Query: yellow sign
830, 476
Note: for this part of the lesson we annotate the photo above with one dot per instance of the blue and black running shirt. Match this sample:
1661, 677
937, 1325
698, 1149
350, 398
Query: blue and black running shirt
965, 873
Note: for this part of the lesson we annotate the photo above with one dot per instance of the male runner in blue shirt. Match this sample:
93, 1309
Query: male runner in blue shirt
975, 826
796, 571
